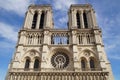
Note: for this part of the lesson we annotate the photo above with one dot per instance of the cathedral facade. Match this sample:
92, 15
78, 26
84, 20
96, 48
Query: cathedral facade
45, 53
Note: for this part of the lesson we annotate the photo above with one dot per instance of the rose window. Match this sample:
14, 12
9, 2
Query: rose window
60, 60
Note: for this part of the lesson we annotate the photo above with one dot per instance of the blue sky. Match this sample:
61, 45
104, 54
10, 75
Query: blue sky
12, 14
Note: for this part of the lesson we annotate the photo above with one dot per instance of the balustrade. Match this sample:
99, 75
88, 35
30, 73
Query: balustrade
34, 38
85, 38
62, 37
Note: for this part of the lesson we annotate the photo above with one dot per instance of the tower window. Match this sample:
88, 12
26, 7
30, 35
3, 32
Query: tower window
27, 63
34, 20
36, 64
83, 66
42, 20
85, 20
83, 63
92, 64
78, 20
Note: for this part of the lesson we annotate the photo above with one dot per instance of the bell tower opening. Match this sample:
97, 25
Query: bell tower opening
85, 20
42, 20
78, 20
34, 22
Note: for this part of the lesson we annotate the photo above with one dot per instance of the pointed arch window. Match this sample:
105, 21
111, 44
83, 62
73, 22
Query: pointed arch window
27, 64
92, 64
78, 20
83, 64
36, 64
42, 20
85, 20
34, 22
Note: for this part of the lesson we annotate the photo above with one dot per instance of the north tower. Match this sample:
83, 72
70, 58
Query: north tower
46, 53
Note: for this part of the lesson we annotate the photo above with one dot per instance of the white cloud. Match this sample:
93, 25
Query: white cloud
8, 32
62, 4
6, 44
63, 20
17, 6
116, 57
62, 7
108, 47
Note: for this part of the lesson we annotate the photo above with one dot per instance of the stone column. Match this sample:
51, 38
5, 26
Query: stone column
38, 20
47, 19
26, 19
93, 18
22, 37
49, 22
30, 20
81, 19
88, 18
84, 39
11, 77
74, 39
74, 23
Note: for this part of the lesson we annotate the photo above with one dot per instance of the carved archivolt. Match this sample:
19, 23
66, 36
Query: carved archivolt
32, 54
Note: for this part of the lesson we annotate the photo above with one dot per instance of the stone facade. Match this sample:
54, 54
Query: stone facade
45, 53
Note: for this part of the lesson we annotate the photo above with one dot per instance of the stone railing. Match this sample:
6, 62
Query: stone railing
85, 38
58, 75
59, 37
34, 38
54, 69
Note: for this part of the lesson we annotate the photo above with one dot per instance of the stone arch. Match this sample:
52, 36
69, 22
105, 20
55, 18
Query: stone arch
27, 57
37, 63
37, 57
27, 61
90, 53
60, 49
93, 63
31, 53
83, 63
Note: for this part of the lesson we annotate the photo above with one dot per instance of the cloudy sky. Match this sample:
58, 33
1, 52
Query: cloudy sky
12, 14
